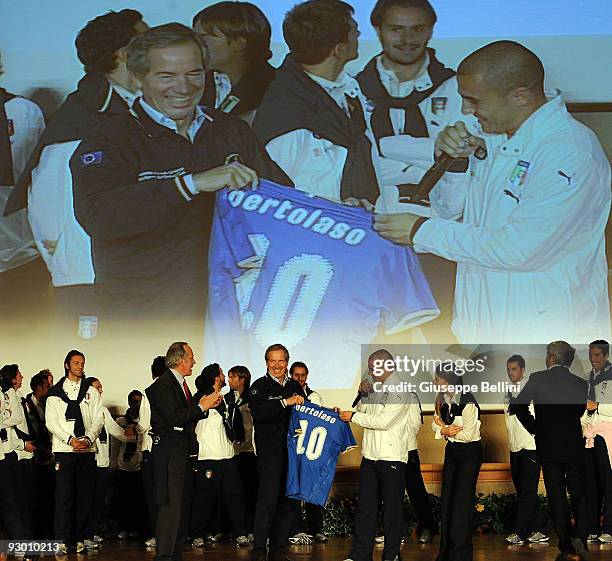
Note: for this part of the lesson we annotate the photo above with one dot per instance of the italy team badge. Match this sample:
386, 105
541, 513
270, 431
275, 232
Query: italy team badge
438, 105
519, 173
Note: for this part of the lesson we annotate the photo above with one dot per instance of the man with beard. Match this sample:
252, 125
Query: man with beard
411, 94
75, 419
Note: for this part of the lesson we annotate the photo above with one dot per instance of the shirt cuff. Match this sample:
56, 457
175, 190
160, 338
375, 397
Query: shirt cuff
186, 186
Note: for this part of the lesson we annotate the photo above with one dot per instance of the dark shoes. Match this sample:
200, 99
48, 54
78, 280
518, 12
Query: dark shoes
581, 550
426, 536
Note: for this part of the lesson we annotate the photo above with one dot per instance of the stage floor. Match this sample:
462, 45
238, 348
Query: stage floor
486, 548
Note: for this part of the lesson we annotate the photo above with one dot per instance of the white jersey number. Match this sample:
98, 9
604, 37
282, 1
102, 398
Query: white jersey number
316, 441
294, 296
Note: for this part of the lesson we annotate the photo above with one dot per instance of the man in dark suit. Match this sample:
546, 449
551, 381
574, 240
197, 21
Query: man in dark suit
173, 417
559, 399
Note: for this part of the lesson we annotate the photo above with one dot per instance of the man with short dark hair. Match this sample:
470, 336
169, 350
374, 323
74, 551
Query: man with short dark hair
528, 523
236, 38
597, 429
144, 182
516, 227
174, 414
43, 458
45, 187
559, 399
270, 399
385, 415
312, 119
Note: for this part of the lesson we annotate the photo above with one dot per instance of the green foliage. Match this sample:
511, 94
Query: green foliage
492, 513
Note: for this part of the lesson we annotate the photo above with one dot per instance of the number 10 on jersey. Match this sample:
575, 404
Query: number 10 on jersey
316, 440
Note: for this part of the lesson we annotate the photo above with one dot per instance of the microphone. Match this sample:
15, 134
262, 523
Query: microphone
356, 400
435, 173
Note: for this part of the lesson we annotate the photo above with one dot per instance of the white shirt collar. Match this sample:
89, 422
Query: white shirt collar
125, 94
420, 82
179, 377
167, 122
343, 86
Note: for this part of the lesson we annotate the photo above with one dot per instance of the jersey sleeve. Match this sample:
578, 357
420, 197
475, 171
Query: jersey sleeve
347, 439
406, 298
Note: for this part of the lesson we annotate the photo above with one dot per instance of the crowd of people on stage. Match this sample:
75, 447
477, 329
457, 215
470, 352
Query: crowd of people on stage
212, 465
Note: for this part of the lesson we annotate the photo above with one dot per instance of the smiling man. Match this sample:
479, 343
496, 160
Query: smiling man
143, 182
529, 219
270, 399
411, 94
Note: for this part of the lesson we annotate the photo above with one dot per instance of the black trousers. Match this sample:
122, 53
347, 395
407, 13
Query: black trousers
247, 468
148, 485
26, 487
598, 487
605, 474
44, 501
99, 505
217, 480
557, 478
417, 493
130, 506
459, 476
11, 511
525, 469
379, 480
173, 516
314, 520
75, 479
275, 513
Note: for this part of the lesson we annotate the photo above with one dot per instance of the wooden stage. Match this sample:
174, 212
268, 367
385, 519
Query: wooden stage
486, 548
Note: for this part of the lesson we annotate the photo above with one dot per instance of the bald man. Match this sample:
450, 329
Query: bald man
526, 227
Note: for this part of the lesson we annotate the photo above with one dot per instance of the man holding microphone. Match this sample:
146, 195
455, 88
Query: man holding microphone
516, 225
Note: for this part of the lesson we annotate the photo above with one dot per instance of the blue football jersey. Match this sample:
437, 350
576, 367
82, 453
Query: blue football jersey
290, 268
315, 439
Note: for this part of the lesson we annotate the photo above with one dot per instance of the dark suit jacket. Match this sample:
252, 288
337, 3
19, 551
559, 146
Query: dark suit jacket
559, 399
270, 417
172, 427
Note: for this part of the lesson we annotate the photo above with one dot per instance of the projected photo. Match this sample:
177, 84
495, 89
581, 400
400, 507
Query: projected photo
321, 175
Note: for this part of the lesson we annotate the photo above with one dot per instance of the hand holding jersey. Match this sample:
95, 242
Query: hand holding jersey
233, 175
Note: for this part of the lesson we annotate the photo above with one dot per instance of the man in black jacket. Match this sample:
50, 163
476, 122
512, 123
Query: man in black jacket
144, 182
174, 414
559, 399
270, 399
236, 37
